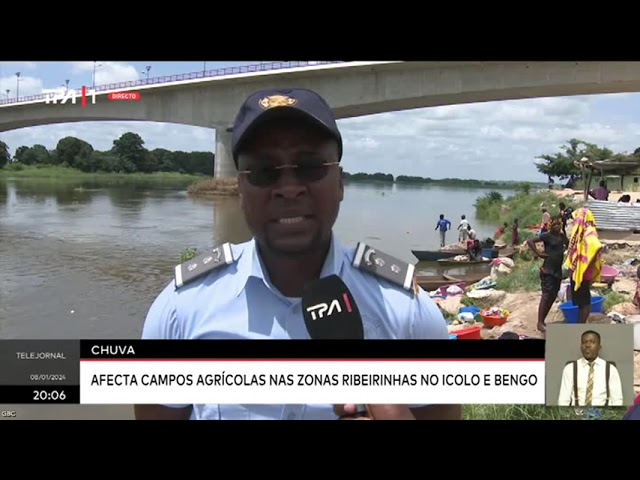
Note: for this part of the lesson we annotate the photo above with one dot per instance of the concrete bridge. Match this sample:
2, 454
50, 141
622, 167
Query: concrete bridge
352, 88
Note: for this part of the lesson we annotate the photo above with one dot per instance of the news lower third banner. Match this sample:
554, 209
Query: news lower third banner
106, 372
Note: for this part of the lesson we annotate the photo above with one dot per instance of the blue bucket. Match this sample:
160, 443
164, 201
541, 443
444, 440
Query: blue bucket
472, 309
487, 252
570, 311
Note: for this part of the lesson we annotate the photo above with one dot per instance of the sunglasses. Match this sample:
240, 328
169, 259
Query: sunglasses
305, 172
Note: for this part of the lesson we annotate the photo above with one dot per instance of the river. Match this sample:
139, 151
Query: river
82, 259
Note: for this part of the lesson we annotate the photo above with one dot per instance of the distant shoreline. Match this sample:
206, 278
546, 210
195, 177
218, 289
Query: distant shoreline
203, 186
229, 186
58, 173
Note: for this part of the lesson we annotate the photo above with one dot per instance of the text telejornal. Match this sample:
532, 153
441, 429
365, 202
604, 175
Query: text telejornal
41, 356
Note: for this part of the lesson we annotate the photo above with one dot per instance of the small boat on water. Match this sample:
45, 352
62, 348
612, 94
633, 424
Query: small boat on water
451, 261
433, 282
433, 255
507, 252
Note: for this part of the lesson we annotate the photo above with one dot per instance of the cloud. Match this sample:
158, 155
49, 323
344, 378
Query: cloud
107, 72
488, 140
25, 85
18, 66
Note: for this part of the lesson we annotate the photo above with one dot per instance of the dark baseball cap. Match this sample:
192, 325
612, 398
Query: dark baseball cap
264, 105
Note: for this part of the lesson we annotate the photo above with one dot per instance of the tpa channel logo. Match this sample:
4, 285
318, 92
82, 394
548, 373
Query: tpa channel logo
61, 96
322, 310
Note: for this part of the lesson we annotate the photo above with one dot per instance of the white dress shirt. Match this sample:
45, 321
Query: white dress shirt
599, 395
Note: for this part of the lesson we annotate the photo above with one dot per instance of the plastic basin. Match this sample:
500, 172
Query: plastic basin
608, 273
570, 311
471, 333
491, 321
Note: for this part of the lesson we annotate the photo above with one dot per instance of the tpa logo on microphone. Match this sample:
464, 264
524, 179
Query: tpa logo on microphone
322, 310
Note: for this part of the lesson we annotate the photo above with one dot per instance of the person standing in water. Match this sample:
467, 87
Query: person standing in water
444, 225
462, 229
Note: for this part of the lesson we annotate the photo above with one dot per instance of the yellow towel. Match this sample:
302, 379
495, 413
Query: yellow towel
584, 247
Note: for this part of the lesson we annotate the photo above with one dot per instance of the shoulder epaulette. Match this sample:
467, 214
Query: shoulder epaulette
202, 264
382, 265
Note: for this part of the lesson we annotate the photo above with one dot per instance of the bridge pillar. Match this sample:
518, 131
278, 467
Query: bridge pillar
223, 166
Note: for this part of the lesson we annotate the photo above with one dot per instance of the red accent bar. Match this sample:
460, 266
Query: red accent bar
346, 301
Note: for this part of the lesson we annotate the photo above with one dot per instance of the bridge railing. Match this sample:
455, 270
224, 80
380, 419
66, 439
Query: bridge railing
166, 79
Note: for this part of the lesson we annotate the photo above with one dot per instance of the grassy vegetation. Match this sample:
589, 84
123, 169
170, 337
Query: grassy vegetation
524, 206
524, 277
536, 412
214, 187
612, 298
61, 174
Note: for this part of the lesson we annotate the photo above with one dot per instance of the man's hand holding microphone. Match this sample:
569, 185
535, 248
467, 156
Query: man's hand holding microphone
345, 324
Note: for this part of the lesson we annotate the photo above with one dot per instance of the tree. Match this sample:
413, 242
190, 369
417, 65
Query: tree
5, 157
562, 166
36, 155
73, 152
129, 148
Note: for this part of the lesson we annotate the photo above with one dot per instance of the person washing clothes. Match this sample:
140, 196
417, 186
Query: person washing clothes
584, 261
500, 231
546, 220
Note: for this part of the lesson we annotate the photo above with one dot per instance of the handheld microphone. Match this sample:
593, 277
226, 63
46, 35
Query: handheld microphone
330, 312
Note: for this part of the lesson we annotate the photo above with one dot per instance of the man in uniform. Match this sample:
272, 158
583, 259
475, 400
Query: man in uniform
287, 149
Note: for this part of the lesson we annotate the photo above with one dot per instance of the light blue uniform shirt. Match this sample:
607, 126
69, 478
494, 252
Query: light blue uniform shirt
238, 301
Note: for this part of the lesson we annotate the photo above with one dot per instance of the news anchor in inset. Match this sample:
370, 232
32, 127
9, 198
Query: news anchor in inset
590, 380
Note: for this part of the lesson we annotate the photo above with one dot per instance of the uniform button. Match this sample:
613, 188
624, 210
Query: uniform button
291, 416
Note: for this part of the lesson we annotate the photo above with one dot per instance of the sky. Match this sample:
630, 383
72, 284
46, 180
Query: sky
487, 141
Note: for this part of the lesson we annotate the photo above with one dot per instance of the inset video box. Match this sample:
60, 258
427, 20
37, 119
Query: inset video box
39, 371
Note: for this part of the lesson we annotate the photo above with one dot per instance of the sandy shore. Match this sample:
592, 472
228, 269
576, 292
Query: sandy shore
523, 306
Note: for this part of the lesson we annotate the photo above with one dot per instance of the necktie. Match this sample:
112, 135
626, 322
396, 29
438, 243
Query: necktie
588, 396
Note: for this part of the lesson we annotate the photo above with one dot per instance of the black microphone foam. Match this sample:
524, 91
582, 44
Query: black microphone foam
330, 311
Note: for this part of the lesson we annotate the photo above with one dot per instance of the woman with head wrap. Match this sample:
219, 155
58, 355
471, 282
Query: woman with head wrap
584, 261
555, 243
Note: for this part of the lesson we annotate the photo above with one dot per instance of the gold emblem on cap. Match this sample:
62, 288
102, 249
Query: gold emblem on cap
277, 101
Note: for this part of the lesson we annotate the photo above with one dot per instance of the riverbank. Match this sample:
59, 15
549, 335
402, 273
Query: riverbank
517, 290
61, 174
229, 186
212, 187
524, 206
